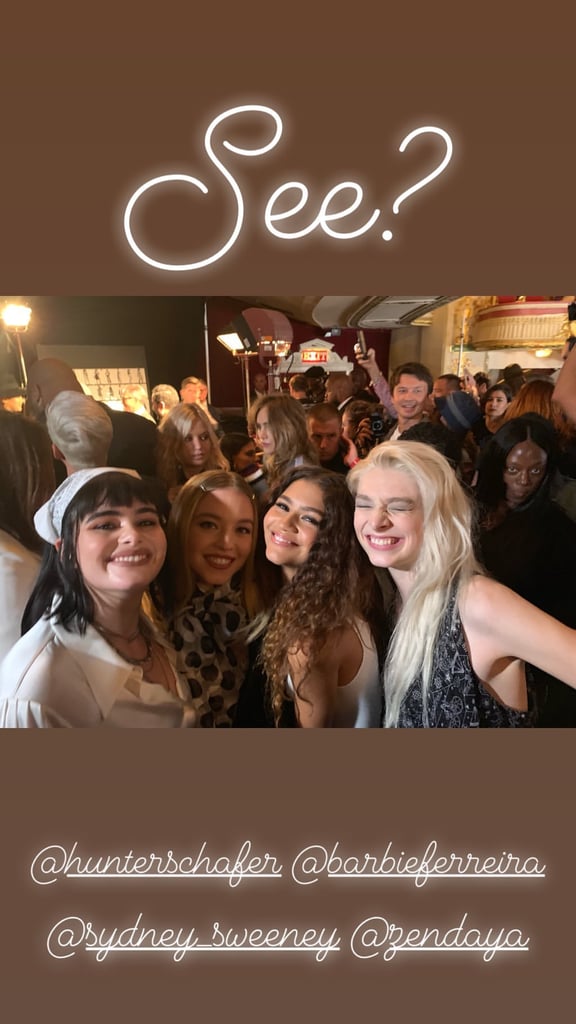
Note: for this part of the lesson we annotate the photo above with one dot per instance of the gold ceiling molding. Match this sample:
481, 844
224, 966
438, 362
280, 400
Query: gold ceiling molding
527, 325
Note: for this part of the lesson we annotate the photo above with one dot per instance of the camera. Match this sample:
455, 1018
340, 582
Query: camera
377, 426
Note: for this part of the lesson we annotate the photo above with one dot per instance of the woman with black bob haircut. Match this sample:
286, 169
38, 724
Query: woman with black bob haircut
91, 657
323, 639
527, 542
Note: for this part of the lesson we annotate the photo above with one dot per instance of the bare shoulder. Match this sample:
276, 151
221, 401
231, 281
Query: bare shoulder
482, 600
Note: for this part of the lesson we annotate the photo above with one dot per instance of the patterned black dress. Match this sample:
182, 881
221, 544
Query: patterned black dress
209, 637
456, 697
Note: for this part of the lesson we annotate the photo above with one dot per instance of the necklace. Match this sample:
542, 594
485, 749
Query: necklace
141, 662
119, 636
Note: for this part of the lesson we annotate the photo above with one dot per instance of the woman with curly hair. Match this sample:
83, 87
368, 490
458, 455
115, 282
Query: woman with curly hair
278, 422
456, 657
323, 638
187, 445
212, 533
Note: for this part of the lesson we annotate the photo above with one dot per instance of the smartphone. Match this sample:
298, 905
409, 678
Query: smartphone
360, 347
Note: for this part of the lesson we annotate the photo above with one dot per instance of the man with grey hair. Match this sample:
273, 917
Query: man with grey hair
163, 398
80, 431
134, 438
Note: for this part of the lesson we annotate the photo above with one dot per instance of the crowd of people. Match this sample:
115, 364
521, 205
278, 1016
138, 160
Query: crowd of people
357, 553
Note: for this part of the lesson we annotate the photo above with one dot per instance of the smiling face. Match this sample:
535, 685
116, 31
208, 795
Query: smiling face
292, 526
389, 519
195, 449
264, 435
410, 397
120, 549
220, 536
524, 472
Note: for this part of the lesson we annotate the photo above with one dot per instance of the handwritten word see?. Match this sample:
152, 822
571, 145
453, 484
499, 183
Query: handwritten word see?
324, 220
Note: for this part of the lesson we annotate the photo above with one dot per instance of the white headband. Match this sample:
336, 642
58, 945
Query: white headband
48, 518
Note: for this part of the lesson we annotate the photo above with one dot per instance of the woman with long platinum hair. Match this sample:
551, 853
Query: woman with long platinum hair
456, 658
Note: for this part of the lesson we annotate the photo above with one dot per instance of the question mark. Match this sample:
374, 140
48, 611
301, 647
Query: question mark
387, 235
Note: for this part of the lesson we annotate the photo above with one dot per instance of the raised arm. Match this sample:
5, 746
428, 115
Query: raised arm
378, 381
565, 390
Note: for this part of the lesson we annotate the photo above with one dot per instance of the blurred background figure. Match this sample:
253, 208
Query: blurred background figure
26, 482
325, 432
316, 384
340, 388
135, 399
188, 445
444, 385
80, 431
194, 391
163, 398
278, 423
298, 387
240, 450
259, 386
134, 437
513, 377
482, 381
12, 395
496, 402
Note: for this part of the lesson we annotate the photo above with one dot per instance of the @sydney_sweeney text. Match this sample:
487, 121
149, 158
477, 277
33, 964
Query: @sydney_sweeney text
379, 935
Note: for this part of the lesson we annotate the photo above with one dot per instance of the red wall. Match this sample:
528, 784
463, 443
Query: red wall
225, 371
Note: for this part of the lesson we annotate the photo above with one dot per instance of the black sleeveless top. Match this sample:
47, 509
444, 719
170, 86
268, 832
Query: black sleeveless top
456, 697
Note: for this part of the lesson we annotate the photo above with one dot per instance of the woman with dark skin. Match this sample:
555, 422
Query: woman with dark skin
527, 542
322, 639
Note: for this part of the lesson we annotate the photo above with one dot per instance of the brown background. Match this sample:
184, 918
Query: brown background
93, 108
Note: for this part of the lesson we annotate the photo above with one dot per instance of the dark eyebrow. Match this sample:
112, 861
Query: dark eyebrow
303, 508
146, 509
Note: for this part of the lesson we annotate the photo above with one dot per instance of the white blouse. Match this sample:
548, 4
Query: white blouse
54, 678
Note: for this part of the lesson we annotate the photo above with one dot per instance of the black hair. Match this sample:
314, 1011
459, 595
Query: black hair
499, 387
60, 577
439, 437
417, 370
490, 485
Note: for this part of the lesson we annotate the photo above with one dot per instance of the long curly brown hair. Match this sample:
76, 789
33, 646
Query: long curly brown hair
335, 585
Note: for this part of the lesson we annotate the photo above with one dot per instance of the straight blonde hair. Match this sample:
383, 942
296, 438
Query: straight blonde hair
445, 564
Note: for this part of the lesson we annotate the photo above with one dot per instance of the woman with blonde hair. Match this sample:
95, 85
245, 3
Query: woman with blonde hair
456, 658
212, 534
187, 445
278, 422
